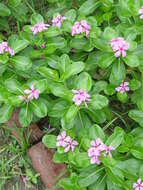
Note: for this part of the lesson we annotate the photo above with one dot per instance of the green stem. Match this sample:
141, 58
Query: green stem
30, 7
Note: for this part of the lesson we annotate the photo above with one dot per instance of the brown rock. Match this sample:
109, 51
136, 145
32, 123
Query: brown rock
42, 162
14, 125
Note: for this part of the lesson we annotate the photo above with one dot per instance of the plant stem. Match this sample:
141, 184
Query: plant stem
30, 7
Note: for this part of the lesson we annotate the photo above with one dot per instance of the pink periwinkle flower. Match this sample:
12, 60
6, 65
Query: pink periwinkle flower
95, 151
80, 96
66, 142
119, 46
39, 27
124, 87
57, 21
32, 93
70, 144
108, 150
4, 48
81, 27
42, 46
138, 185
24, 180
61, 139
141, 13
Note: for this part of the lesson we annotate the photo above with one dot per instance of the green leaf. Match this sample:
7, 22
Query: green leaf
60, 158
109, 33
81, 159
3, 59
64, 63
99, 184
71, 113
96, 131
39, 108
36, 18
25, 116
89, 176
49, 141
122, 97
14, 3
19, 45
115, 174
137, 152
84, 82
137, 116
4, 10
59, 109
134, 84
48, 73
52, 32
118, 73
132, 60
71, 15
89, 7
116, 138
98, 102
99, 86
13, 85
21, 63
73, 69
105, 60
5, 113
141, 172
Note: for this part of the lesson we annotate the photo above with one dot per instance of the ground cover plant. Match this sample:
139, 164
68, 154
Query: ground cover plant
79, 64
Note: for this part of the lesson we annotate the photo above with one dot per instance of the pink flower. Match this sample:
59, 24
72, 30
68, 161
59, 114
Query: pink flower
81, 27
66, 142
57, 21
61, 139
108, 150
141, 13
123, 87
138, 185
95, 151
24, 180
70, 144
32, 93
119, 46
42, 46
39, 27
4, 48
80, 96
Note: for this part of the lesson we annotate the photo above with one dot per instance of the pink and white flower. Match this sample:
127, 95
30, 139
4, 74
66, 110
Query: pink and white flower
70, 144
61, 139
96, 149
4, 48
39, 27
42, 46
108, 150
138, 185
81, 27
80, 97
57, 21
66, 142
124, 87
119, 46
30, 94
33, 94
141, 13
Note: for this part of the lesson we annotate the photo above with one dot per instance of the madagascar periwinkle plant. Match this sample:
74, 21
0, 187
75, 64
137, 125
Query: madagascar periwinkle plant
80, 64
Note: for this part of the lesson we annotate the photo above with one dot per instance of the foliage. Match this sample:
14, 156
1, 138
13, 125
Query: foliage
85, 80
